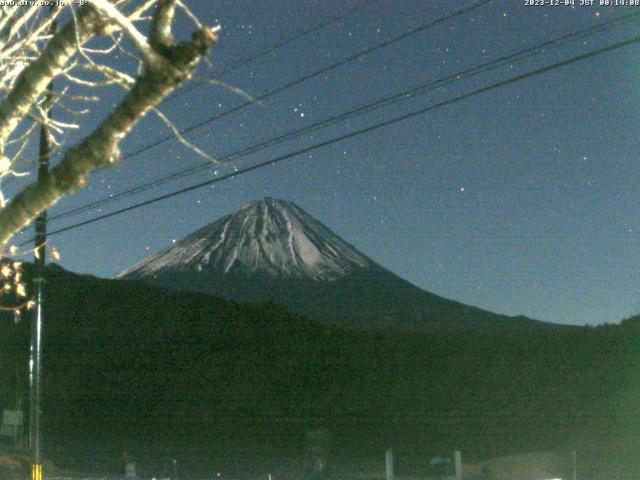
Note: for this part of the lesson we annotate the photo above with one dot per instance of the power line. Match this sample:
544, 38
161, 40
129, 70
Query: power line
267, 50
362, 131
276, 46
333, 66
389, 100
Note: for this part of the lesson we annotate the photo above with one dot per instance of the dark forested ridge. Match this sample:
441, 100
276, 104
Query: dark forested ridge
369, 299
129, 365
271, 250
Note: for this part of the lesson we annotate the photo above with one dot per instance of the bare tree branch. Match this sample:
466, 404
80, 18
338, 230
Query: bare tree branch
161, 26
169, 66
35, 78
137, 38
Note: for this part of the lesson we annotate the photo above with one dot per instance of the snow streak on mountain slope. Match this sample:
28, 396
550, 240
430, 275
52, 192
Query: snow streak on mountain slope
268, 237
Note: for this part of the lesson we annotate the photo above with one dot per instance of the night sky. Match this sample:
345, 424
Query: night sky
522, 200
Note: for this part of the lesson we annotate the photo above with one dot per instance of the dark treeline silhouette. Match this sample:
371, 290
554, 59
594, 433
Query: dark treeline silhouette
134, 367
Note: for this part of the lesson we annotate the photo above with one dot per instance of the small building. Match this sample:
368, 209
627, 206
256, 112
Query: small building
12, 426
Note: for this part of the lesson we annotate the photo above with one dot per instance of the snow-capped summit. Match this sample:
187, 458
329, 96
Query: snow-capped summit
272, 250
268, 237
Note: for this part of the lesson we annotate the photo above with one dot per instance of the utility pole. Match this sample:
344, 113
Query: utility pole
458, 463
35, 360
388, 461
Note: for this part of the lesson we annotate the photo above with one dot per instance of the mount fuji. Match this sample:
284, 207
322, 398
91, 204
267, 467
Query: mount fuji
272, 250
270, 237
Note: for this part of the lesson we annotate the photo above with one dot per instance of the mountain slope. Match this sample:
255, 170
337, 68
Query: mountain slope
134, 367
272, 250
270, 237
